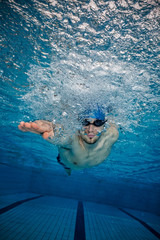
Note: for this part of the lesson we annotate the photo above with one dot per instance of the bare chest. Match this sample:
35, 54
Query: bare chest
91, 155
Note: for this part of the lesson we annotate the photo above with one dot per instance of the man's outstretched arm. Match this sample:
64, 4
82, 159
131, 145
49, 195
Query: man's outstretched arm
47, 130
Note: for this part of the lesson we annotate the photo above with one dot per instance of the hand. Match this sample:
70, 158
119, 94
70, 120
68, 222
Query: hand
45, 128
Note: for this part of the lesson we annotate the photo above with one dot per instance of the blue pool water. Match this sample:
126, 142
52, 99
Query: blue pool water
56, 58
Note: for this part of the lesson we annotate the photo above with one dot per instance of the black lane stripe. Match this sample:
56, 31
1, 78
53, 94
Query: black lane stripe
154, 232
13, 205
80, 226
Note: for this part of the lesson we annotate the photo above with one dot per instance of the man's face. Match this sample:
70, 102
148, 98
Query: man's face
90, 134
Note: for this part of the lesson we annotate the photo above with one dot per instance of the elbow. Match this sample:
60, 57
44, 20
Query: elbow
115, 134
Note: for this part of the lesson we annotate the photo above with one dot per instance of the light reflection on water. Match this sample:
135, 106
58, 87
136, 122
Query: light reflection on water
58, 56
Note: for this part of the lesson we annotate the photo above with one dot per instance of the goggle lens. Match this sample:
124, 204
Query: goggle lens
96, 123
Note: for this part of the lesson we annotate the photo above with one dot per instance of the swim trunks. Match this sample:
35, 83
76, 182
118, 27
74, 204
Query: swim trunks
60, 162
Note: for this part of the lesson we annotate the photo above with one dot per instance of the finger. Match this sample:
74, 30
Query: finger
20, 128
45, 135
34, 125
27, 125
22, 123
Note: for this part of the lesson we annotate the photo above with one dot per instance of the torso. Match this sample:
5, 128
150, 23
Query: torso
76, 157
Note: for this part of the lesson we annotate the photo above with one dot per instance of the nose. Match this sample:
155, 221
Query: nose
91, 127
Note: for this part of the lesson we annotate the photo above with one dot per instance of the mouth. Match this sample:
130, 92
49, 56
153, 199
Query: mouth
91, 135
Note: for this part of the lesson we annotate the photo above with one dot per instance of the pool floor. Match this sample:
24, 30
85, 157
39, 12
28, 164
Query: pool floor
36, 217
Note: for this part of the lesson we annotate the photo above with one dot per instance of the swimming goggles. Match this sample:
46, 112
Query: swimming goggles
96, 123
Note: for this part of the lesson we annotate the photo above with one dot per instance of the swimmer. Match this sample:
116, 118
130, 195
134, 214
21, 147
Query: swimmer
89, 147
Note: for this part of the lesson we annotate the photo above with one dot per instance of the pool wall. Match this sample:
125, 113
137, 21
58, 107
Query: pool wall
14, 180
120, 194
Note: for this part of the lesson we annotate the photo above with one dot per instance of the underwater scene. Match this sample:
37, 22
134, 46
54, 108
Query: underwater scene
89, 71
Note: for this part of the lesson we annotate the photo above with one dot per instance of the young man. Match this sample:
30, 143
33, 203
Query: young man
89, 147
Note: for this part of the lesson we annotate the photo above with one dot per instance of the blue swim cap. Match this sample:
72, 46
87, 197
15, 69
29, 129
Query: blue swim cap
93, 112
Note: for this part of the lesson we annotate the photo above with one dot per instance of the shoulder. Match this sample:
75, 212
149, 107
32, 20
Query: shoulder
113, 130
112, 133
